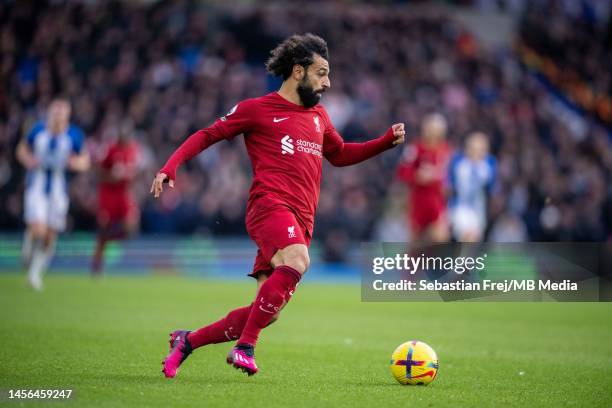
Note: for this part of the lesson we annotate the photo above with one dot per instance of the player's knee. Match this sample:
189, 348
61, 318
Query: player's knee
49, 240
38, 231
440, 233
37, 236
131, 228
295, 256
298, 260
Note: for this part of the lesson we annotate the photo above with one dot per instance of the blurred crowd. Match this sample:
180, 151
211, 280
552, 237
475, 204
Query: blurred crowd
173, 67
575, 39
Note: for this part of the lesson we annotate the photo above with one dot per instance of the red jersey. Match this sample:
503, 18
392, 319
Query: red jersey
286, 144
427, 201
419, 155
118, 169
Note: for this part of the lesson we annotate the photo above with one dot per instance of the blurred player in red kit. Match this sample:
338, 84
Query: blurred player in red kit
424, 168
287, 135
118, 214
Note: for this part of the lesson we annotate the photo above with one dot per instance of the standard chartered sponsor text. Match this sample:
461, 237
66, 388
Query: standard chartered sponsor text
309, 147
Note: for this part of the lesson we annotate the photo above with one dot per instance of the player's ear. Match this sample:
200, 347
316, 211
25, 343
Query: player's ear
298, 72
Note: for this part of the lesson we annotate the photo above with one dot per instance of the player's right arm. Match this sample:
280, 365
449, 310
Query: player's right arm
340, 154
24, 152
25, 156
237, 121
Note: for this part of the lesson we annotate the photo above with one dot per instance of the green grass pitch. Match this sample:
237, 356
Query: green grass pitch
105, 340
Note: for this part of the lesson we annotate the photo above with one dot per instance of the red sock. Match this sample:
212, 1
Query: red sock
272, 295
226, 329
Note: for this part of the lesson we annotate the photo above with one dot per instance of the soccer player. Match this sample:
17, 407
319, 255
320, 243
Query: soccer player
287, 134
48, 152
424, 168
118, 214
472, 176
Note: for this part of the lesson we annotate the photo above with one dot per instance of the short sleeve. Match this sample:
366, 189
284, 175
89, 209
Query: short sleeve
76, 136
31, 136
238, 120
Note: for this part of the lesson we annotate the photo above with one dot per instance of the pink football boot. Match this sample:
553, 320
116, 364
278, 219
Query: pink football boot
180, 349
242, 358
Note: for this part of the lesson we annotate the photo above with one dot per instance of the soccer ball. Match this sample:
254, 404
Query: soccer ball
414, 363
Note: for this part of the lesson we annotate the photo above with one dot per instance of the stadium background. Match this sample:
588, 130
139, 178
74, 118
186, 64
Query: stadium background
173, 67
533, 75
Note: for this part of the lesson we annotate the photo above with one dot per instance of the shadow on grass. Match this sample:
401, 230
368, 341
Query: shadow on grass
158, 379
372, 384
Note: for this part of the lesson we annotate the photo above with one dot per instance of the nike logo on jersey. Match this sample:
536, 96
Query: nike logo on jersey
279, 119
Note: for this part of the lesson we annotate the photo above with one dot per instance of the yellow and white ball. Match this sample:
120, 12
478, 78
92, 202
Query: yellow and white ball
414, 363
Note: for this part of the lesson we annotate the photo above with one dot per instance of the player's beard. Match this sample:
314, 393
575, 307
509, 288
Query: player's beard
308, 95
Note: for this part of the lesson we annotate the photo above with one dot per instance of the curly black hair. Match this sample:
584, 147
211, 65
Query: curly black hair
295, 50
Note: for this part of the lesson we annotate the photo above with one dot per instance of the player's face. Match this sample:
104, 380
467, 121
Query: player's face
315, 82
434, 129
125, 132
59, 115
477, 147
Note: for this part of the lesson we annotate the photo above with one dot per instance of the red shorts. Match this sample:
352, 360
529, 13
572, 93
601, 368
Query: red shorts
116, 209
273, 226
424, 213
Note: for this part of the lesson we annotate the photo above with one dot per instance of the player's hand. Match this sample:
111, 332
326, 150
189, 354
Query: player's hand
79, 162
399, 133
158, 184
31, 163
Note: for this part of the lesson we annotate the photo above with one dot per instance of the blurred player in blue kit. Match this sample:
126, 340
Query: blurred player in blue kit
472, 176
48, 152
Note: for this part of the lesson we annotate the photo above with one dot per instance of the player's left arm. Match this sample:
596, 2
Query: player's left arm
79, 158
339, 153
238, 120
25, 148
